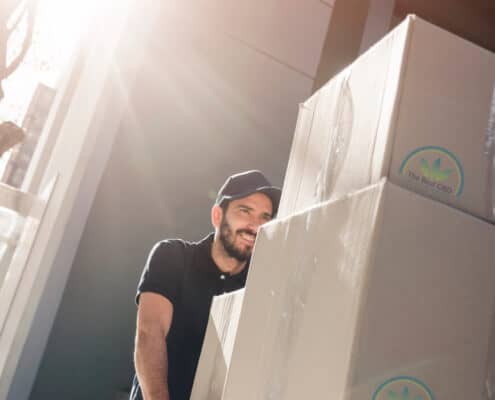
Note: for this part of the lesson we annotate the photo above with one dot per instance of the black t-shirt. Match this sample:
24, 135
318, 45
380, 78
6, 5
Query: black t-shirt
185, 274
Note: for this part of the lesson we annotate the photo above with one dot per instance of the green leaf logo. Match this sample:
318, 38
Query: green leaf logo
434, 168
403, 388
435, 172
392, 395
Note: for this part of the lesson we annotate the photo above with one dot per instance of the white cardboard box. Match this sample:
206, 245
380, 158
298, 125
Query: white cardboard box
415, 108
378, 292
217, 347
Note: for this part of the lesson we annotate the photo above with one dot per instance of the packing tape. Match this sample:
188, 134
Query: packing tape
490, 153
339, 140
301, 272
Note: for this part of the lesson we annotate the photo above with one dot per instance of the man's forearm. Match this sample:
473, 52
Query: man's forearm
152, 366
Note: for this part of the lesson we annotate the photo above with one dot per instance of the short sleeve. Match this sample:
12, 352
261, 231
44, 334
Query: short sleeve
163, 271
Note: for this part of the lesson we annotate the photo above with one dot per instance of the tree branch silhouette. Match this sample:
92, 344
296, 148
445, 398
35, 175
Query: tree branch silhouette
25, 10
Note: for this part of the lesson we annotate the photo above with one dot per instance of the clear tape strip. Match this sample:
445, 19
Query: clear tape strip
339, 140
293, 299
304, 155
490, 153
228, 328
489, 392
292, 181
218, 374
353, 233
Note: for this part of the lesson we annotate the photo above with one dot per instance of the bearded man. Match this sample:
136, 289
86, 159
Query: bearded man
180, 279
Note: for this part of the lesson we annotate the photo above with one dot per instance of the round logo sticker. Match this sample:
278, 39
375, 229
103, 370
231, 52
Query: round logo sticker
436, 168
403, 388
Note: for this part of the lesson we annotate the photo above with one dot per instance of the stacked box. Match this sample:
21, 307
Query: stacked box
217, 346
376, 282
415, 108
381, 293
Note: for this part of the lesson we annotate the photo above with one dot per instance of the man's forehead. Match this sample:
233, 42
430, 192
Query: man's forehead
258, 200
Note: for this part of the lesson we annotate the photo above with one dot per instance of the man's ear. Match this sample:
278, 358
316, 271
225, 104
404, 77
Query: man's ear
216, 216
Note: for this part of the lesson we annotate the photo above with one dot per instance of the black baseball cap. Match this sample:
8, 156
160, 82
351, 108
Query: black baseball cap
246, 183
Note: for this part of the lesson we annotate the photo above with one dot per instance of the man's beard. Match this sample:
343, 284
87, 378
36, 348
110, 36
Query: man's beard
227, 238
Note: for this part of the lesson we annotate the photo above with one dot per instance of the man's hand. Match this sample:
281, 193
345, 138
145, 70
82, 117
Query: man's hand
153, 323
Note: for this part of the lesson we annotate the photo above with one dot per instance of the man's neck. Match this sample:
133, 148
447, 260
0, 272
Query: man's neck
224, 262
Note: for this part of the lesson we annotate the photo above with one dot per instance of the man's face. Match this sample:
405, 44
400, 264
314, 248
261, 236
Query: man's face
239, 224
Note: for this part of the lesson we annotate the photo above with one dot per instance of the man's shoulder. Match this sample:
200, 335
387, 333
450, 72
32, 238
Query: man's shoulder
167, 265
176, 244
167, 248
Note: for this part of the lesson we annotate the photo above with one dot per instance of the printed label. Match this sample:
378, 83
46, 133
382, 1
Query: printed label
403, 388
436, 168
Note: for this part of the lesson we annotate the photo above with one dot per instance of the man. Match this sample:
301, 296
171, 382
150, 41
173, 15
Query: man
180, 280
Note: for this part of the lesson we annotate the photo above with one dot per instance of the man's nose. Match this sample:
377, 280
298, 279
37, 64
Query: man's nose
253, 227
255, 223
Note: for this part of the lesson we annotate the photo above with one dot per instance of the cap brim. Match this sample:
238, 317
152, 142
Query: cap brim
272, 192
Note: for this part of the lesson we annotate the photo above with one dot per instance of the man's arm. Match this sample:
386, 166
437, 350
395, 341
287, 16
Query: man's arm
153, 323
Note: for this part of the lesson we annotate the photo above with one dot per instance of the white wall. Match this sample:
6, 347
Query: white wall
378, 22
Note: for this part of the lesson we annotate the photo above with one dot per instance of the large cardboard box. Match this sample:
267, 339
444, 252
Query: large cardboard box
217, 347
383, 294
414, 108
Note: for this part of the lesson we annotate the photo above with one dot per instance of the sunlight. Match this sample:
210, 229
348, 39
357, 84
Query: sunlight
59, 27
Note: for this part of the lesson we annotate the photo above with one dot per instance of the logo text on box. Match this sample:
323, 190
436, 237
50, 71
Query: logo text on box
436, 168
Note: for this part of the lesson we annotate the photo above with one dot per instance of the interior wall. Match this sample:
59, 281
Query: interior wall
473, 20
357, 24
343, 39
213, 98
